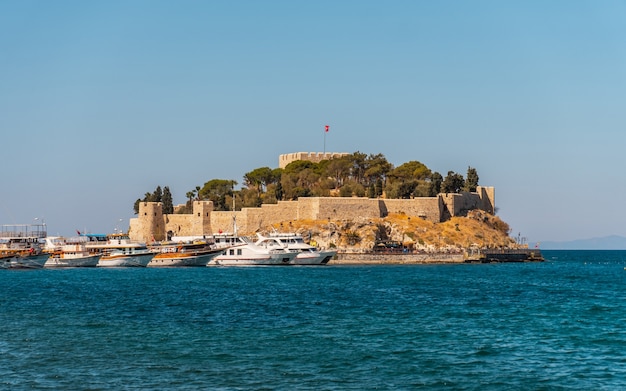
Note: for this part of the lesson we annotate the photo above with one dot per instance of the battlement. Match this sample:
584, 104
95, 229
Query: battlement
152, 224
315, 157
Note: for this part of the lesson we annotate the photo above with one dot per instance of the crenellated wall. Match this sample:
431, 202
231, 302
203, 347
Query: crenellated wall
151, 224
315, 157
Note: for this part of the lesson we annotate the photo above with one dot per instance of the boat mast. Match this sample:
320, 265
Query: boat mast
234, 214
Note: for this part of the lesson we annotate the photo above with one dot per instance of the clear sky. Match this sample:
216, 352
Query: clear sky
101, 101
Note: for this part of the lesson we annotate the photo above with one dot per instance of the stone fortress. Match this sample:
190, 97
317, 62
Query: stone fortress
151, 224
315, 157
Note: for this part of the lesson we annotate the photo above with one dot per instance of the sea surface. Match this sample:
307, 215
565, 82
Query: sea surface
556, 325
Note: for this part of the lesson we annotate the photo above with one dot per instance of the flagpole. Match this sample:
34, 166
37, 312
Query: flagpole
324, 142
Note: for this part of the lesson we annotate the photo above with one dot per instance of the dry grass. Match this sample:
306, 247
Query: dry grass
478, 229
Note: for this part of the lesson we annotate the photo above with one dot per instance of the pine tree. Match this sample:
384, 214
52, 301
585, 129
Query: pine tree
168, 204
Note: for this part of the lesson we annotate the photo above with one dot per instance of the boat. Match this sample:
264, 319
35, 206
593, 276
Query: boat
240, 251
195, 253
118, 250
21, 246
69, 252
306, 253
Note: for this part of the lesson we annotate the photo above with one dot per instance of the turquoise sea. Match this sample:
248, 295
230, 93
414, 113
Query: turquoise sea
557, 325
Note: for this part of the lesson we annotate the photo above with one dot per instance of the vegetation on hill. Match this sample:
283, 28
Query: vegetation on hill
356, 174
359, 175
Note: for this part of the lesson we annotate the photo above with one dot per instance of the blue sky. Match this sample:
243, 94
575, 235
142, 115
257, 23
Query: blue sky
101, 101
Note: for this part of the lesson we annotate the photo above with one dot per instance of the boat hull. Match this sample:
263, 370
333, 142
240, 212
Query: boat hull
271, 260
24, 262
319, 258
183, 259
86, 261
126, 260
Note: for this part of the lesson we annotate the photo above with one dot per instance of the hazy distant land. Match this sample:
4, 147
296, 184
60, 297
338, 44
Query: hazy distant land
613, 242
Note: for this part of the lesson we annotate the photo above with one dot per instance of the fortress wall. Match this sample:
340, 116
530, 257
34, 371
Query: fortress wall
282, 211
429, 208
488, 197
197, 223
152, 224
223, 221
315, 157
178, 224
308, 208
251, 220
457, 204
347, 208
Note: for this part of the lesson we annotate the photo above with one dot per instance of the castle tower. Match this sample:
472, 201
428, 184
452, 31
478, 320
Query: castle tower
201, 220
151, 224
488, 197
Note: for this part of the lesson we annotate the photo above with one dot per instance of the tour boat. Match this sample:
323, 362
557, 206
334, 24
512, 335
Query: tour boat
118, 250
306, 253
196, 253
239, 251
21, 246
70, 252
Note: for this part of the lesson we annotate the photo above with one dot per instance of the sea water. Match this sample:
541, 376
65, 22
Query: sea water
556, 325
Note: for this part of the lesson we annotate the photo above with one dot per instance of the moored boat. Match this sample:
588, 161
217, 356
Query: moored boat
118, 250
70, 252
197, 253
21, 246
306, 253
239, 251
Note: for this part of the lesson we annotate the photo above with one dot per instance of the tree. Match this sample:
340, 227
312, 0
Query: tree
168, 204
338, 169
158, 194
378, 187
259, 178
279, 191
435, 184
299, 165
376, 168
453, 183
357, 170
250, 198
216, 190
190, 195
412, 170
471, 182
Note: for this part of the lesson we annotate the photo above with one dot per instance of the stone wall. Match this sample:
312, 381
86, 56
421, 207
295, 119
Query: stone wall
427, 208
400, 258
151, 224
315, 157
459, 204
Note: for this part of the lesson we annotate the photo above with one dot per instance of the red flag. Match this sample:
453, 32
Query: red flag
326, 128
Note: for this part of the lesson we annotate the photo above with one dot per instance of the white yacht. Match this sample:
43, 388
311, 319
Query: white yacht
118, 250
306, 253
21, 246
69, 252
240, 251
